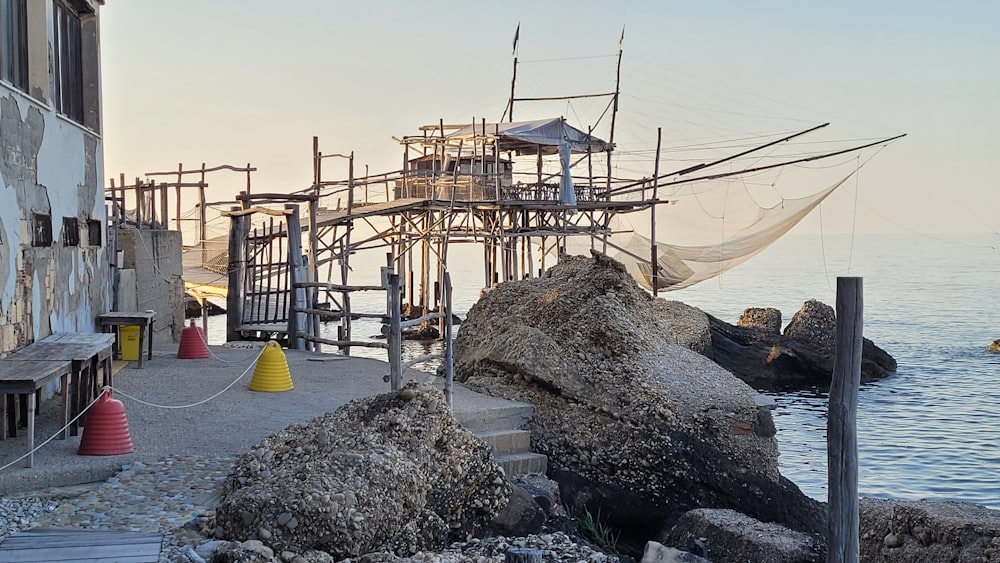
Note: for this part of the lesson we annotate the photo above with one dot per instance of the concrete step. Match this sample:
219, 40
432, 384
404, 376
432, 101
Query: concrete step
508, 415
523, 463
507, 442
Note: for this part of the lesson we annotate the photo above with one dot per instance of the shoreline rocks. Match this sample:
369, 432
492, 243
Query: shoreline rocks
638, 427
759, 354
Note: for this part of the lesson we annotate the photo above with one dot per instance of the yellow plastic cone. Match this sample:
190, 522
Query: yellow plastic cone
271, 373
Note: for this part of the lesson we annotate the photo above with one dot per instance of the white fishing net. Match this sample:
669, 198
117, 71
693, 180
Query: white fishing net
720, 226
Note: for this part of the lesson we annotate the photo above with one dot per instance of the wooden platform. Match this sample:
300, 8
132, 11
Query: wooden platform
77, 546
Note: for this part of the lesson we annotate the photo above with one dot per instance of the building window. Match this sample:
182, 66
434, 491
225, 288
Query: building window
94, 230
68, 62
14, 43
71, 231
41, 230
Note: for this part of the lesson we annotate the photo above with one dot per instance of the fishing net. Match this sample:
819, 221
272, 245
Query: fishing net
723, 228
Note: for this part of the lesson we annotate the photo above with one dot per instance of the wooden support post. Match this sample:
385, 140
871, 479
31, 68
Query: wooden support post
654, 263
202, 217
842, 437
449, 358
395, 336
138, 203
296, 275
237, 255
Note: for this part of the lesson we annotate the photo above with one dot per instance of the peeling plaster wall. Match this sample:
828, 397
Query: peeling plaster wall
51, 166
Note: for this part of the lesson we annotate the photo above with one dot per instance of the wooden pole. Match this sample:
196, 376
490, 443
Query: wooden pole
395, 336
202, 217
654, 263
177, 194
449, 358
842, 437
296, 274
234, 296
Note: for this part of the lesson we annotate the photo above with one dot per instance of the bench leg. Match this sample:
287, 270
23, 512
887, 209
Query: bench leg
142, 334
31, 430
76, 398
150, 338
66, 393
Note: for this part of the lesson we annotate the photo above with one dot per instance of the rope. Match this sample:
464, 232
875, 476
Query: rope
52, 437
136, 399
195, 404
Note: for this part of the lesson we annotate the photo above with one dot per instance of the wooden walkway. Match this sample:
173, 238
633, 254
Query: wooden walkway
78, 546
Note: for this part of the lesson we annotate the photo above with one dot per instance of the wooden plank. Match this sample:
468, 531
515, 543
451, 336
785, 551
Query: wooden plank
56, 537
78, 550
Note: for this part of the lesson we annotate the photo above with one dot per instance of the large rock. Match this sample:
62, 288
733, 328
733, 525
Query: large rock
994, 346
394, 473
767, 319
902, 531
638, 428
803, 356
731, 537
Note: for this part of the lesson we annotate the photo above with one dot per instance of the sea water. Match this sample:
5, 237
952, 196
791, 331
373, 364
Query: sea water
931, 430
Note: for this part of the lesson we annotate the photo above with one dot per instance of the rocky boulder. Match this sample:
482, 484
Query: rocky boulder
725, 536
902, 531
994, 346
766, 359
638, 428
767, 319
394, 472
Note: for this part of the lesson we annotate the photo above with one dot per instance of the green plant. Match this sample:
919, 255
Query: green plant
596, 530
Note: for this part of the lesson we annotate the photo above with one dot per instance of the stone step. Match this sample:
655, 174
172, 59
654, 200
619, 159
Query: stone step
507, 442
507, 416
523, 463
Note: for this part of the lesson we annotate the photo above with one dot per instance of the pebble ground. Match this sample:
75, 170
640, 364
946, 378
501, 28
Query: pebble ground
156, 497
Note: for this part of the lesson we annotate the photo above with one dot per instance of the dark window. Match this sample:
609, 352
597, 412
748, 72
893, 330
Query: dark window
68, 62
41, 230
94, 230
71, 231
14, 43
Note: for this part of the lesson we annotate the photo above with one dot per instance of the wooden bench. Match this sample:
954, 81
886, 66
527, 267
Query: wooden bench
26, 378
142, 320
88, 355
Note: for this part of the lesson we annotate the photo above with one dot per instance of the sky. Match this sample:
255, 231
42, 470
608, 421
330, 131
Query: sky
227, 82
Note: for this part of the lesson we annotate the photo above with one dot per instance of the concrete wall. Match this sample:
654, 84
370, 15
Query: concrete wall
49, 166
153, 256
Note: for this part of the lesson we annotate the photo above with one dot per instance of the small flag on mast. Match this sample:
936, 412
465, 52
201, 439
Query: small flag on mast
622, 38
517, 34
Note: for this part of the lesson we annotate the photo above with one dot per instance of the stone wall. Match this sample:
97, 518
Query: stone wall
152, 257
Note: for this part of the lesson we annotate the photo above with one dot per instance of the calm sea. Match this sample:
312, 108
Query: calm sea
931, 430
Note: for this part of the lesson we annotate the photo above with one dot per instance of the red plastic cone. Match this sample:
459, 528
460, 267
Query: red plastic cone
106, 431
192, 345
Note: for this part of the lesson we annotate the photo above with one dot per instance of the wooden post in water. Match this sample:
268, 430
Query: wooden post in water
841, 428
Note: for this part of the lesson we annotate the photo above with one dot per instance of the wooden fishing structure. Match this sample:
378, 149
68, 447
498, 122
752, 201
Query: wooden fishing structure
519, 190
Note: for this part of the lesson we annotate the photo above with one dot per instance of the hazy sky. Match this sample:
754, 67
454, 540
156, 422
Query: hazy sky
233, 82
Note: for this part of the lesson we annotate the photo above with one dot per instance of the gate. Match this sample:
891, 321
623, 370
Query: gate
264, 265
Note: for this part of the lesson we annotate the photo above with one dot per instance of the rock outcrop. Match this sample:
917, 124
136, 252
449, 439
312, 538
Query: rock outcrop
994, 346
763, 357
902, 531
393, 473
725, 536
638, 428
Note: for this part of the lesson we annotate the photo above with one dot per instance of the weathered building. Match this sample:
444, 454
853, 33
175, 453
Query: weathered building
53, 241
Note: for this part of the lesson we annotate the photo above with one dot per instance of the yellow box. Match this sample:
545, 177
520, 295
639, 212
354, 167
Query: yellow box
129, 341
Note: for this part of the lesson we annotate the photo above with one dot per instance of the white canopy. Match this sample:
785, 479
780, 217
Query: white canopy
526, 137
